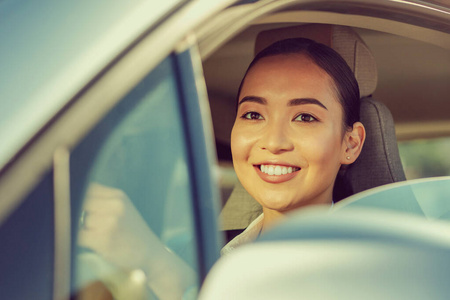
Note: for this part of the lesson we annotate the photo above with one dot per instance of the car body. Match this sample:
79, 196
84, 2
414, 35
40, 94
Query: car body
121, 98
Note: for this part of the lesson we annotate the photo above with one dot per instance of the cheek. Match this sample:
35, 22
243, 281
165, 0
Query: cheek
323, 149
238, 142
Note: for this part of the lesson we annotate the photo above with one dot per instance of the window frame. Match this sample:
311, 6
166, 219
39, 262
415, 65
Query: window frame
201, 150
50, 148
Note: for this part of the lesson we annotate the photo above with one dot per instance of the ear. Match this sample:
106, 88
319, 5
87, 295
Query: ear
353, 143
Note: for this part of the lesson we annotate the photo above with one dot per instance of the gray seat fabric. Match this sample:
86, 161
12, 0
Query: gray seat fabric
379, 162
240, 209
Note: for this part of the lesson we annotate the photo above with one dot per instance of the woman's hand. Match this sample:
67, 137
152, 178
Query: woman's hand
114, 228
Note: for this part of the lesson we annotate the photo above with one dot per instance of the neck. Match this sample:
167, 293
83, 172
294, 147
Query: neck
271, 217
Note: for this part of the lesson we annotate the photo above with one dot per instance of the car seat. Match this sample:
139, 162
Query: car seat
379, 162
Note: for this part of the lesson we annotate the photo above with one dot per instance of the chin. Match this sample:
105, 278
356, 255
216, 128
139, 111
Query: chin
277, 202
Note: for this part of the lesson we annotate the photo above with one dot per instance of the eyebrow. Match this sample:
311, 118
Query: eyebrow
301, 101
254, 99
293, 102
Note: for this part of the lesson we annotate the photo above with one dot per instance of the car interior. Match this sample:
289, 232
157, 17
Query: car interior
137, 88
403, 71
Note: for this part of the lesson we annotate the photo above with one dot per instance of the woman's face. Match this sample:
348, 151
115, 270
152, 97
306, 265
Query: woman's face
287, 140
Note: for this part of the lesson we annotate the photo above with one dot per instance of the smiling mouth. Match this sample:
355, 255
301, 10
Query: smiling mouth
277, 170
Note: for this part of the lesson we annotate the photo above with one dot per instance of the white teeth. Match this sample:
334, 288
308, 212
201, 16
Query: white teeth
277, 170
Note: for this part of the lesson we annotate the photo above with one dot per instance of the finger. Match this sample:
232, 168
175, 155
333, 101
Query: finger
105, 205
98, 190
91, 240
102, 198
101, 223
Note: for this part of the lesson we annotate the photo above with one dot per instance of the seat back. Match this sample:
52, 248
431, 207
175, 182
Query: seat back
379, 162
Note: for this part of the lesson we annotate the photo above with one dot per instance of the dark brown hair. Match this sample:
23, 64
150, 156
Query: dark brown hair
327, 59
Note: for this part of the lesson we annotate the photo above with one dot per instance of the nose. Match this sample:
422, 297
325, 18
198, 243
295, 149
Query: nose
276, 138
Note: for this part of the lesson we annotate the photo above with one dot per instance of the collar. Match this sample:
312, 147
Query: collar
248, 235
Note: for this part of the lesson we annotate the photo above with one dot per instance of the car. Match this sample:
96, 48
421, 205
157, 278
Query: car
84, 94
367, 247
138, 98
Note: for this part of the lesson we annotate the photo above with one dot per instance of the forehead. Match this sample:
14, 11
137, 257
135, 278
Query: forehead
298, 59
291, 76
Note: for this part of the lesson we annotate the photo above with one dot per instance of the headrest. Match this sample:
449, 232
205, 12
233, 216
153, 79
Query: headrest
342, 39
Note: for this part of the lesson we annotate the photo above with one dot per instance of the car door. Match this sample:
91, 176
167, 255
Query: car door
150, 147
150, 139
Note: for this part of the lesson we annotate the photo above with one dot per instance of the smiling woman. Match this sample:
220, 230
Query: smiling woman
297, 123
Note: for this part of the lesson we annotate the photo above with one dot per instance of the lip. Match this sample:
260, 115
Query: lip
275, 178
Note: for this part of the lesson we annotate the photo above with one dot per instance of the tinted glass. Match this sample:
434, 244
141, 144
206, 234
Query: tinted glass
26, 247
131, 197
429, 198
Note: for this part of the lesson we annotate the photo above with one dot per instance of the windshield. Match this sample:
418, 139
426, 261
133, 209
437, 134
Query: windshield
428, 197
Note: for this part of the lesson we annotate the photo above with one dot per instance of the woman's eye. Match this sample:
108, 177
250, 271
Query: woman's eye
305, 118
252, 116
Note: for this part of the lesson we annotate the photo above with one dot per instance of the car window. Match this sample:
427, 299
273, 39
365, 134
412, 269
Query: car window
133, 166
427, 197
425, 157
26, 247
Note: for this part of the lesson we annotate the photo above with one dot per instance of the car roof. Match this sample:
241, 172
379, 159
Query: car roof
442, 3
52, 49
